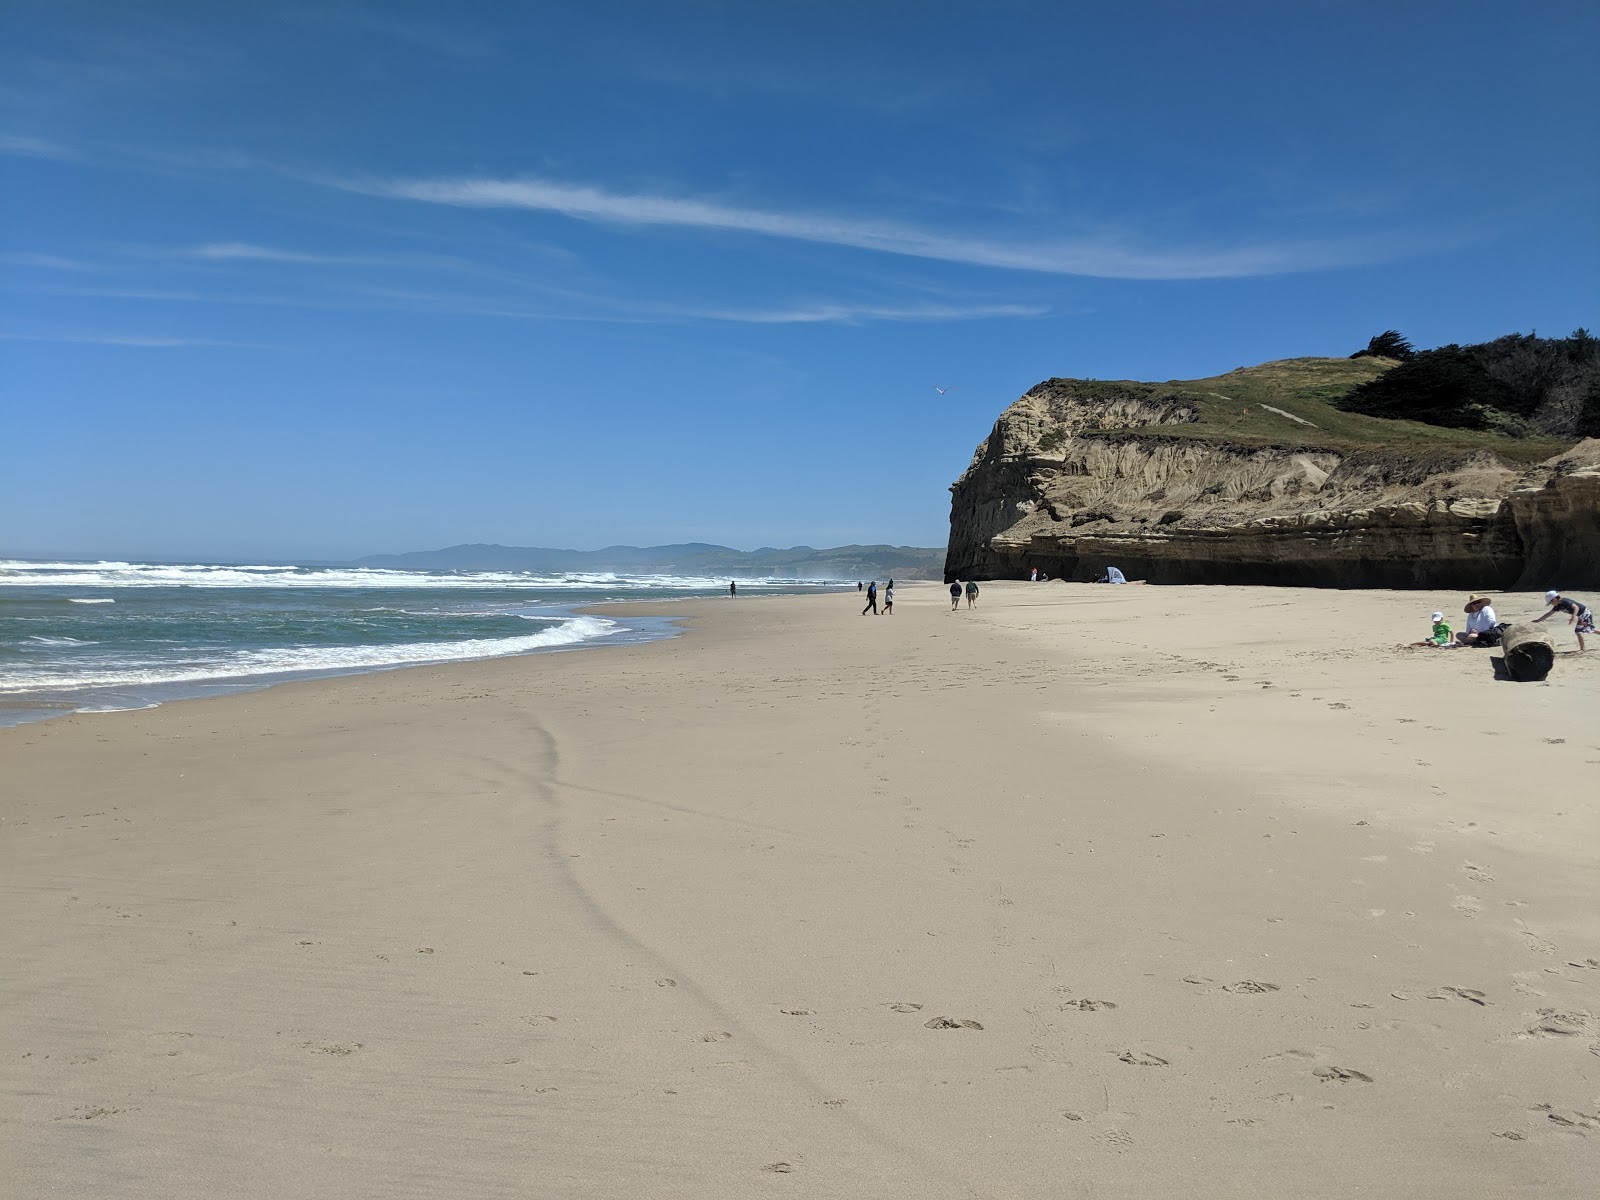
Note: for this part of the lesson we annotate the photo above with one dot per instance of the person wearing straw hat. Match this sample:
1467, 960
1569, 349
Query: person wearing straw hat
1582, 615
1482, 624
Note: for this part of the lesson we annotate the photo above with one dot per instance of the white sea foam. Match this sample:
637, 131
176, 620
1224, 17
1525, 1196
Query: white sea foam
76, 599
24, 573
59, 641
295, 659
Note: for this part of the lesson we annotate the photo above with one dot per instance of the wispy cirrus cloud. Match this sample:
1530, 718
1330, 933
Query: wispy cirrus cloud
1106, 257
133, 341
44, 262
248, 252
571, 307
857, 314
22, 146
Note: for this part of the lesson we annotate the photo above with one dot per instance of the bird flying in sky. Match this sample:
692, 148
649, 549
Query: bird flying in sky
941, 390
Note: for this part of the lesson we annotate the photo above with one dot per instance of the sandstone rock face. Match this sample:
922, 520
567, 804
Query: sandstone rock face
1557, 510
1070, 481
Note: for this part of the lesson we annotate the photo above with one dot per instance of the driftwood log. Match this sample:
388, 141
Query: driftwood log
1529, 653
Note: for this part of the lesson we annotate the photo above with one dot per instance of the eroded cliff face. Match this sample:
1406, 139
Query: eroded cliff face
1070, 481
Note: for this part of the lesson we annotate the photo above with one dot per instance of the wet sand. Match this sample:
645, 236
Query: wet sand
1089, 892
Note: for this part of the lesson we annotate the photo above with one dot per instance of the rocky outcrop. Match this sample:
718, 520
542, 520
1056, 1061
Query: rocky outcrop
1556, 507
1077, 476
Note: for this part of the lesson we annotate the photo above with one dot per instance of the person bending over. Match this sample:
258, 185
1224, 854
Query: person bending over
1581, 616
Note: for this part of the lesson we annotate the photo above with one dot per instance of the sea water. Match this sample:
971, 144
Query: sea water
104, 636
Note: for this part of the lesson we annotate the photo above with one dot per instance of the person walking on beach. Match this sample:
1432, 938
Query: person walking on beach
955, 595
858, 587
733, 590
972, 594
1582, 616
872, 599
888, 599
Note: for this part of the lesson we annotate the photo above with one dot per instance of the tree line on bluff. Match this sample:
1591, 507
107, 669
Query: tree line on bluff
1520, 384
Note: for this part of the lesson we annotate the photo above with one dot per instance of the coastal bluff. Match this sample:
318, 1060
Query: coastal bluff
1258, 477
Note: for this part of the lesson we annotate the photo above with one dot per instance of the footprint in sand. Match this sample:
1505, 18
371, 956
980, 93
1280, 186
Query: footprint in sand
1087, 1005
1552, 1022
1341, 1075
1249, 987
951, 1023
1116, 1140
715, 1035
1536, 943
1467, 906
1139, 1058
796, 1012
1577, 1122
905, 1006
666, 983
1471, 994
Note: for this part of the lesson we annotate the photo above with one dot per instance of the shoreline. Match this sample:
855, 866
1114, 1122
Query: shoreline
1218, 878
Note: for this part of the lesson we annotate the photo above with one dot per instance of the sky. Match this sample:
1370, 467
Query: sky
317, 280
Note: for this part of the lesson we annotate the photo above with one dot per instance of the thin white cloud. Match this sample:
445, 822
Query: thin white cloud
44, 262
856, 314
22, 146
575, 307
1103, 257
244, 251
129, 340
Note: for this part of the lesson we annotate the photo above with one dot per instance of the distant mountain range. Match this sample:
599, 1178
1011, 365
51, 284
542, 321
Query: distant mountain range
691, 558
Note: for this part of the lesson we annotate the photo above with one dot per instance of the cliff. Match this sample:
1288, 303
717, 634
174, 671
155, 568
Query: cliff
1257, 477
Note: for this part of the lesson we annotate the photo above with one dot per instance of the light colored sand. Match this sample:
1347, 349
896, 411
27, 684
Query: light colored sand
1219, 871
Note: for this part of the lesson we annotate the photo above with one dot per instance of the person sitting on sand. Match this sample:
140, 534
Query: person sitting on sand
1482, 624
1441, 635
1581, 615
972, 594
955, 595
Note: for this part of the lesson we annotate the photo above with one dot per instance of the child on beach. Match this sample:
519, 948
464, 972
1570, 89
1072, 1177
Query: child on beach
1442, 636
1582, 615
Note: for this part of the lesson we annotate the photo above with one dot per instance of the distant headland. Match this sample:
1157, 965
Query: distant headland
689, 558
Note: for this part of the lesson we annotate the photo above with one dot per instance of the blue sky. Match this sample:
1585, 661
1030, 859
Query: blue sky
318, 280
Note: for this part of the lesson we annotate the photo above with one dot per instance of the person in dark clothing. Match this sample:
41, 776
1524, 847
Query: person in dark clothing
955, 595
872, 599
733, 590
1580, 616
858, 585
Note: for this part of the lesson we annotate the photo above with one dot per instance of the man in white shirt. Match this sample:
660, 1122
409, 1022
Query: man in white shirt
1481, 622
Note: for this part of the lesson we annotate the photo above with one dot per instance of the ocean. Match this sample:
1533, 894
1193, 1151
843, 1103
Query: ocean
108, 636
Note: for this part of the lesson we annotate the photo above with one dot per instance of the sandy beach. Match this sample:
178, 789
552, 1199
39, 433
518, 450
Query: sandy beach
1089, 892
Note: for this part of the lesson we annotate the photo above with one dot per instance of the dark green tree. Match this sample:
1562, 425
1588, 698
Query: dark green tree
1388, 344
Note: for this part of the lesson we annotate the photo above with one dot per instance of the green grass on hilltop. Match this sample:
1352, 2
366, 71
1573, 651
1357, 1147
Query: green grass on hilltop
1230, 412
